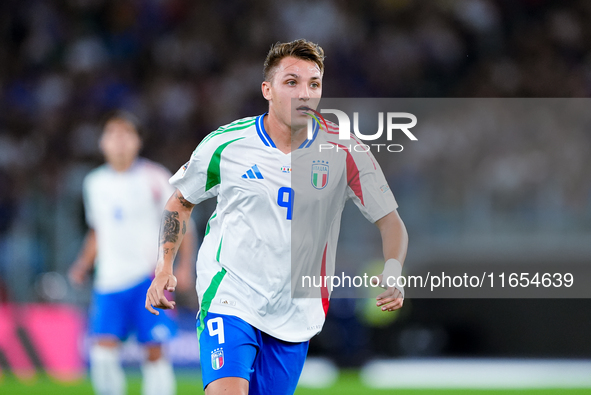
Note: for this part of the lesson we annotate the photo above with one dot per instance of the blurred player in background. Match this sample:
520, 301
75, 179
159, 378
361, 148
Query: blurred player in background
253, 334
123, 200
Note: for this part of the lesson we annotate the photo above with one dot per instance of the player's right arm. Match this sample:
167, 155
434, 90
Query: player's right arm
175, 222
85, 261
199, 179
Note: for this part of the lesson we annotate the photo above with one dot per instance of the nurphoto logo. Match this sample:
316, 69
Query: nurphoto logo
344, 129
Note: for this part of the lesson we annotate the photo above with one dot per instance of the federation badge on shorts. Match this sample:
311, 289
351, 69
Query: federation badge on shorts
217, 358
319, 174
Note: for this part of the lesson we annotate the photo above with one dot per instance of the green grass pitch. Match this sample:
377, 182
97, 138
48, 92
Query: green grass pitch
348, 384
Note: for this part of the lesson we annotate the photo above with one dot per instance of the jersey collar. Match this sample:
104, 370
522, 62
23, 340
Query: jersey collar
266, 139
308, 142
263, 133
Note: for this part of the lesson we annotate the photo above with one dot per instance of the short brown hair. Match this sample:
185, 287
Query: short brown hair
123, 115
301, 49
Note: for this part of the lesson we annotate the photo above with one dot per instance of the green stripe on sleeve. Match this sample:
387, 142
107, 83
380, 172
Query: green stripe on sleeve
213, 170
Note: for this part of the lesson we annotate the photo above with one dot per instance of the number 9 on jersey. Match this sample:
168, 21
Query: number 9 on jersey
285, 199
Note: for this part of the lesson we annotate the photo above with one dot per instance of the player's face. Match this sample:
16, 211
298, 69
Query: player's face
120, 142
294, 79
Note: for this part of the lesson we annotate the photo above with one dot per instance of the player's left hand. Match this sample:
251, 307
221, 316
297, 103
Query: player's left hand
155, 296
389, 300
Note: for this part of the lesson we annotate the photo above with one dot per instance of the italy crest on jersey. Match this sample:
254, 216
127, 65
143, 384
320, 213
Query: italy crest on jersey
217, 358
319, 174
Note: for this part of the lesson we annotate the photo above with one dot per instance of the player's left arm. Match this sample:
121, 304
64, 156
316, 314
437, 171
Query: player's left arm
394, 245
370, 192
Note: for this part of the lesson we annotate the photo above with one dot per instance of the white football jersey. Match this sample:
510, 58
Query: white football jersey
271, 217
125, 210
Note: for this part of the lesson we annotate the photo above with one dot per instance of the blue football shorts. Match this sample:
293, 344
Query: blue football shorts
230, 347
120, 314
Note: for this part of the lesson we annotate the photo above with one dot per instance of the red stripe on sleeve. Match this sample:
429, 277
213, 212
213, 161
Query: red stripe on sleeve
323, 288
352, 174
353, 177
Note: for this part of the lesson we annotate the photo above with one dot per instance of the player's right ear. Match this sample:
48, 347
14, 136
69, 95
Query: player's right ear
266, 89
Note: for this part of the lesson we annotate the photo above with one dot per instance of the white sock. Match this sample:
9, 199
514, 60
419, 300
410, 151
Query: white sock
106, 373
158, 378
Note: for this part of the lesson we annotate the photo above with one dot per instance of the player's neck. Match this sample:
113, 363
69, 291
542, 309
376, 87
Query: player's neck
121, 166
284, 138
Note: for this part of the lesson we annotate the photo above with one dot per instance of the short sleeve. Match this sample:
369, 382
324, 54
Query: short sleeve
199, 178
368, 187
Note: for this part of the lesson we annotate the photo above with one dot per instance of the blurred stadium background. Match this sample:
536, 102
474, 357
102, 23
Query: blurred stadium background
185, 67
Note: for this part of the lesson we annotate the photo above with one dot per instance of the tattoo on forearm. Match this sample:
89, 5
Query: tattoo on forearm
184, 227
170, 227
183, 201
169, 251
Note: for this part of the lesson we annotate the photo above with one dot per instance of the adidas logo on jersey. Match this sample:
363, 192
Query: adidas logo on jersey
253, 173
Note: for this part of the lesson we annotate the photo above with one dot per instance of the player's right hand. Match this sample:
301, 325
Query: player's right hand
155, 296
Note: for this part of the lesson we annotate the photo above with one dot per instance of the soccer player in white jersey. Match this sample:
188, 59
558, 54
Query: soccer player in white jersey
123, 200
253, 333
